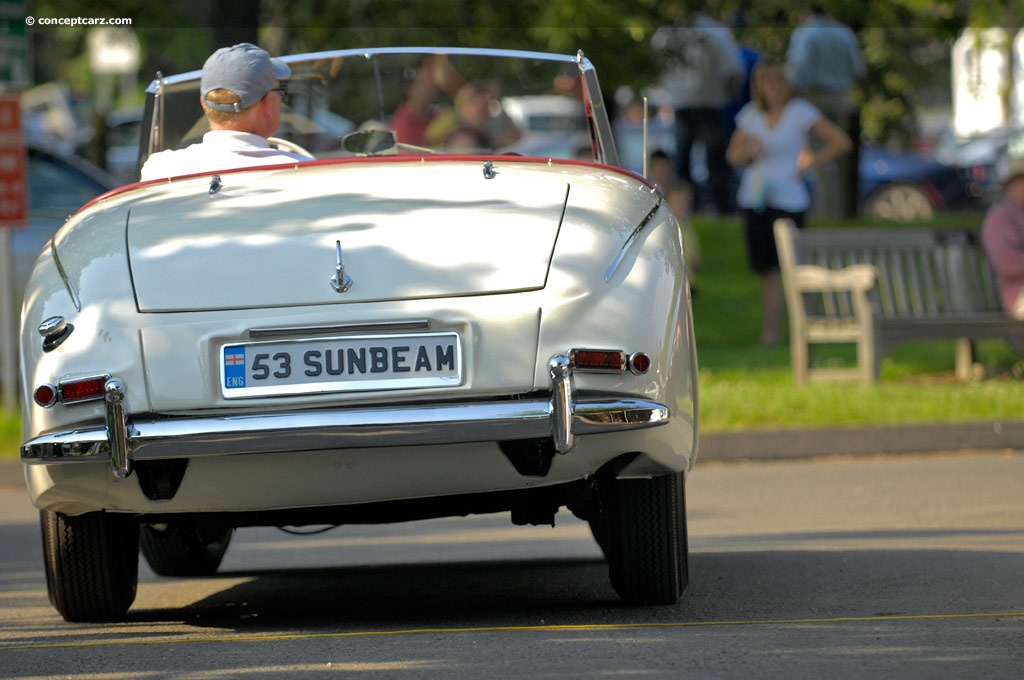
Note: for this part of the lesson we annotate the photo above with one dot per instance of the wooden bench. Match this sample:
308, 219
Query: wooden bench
880, 287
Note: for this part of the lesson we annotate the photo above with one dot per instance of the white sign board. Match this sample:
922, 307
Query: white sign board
981, 76
113, 50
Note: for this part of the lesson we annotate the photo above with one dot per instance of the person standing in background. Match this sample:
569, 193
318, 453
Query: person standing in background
704, 69
770, 142
750, 58
823, 64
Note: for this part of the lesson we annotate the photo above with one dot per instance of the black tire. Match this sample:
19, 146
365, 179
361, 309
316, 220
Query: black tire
181, 549
92, 564
642, 532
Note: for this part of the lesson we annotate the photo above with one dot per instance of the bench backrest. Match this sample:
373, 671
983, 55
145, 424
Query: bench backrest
921, 272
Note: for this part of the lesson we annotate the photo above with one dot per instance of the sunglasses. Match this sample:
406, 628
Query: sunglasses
283, 89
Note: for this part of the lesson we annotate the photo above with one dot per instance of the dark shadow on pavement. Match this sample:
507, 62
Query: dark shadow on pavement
742, 587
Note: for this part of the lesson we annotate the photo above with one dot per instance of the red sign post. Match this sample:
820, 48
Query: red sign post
15, 76
13, 192
13, 214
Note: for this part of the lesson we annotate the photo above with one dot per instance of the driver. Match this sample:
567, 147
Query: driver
242, 92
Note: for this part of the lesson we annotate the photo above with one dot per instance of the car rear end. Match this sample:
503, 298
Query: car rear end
235, 353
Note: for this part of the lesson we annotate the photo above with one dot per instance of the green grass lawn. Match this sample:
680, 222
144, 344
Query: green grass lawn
10, 435
745, 386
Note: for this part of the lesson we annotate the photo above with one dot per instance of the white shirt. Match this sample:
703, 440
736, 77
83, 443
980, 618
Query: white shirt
772, 179
219, 150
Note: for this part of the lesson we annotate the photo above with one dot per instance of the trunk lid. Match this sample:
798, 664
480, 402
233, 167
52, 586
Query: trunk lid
407, 230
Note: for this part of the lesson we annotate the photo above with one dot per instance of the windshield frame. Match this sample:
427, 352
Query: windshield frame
598, 133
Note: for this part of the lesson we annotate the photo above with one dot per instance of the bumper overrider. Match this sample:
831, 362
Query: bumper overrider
561, 417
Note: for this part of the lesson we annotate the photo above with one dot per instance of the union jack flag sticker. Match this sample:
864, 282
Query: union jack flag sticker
234, 367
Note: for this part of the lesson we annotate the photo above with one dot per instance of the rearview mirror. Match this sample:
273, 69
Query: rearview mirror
370, 142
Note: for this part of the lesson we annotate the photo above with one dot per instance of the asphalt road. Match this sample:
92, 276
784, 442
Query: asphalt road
906, 566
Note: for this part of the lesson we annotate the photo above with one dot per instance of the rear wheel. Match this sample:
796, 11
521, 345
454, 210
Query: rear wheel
181, 549
92, 564
642, 532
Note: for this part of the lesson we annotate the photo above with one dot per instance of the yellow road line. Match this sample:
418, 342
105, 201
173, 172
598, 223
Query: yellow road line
583, 627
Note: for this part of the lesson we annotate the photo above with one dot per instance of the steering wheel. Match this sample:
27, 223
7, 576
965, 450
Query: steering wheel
287, 145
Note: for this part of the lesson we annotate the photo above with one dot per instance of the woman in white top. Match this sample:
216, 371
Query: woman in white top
771, 145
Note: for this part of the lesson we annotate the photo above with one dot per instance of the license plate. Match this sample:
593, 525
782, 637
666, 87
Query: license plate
379, 362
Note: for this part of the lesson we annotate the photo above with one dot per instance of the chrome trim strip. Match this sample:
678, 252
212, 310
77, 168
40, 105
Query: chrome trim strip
346, 428
632, 238
64, 277
368, 53
371, 327
601, 120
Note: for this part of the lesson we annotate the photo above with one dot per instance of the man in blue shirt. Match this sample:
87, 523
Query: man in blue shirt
824, 64
703, 70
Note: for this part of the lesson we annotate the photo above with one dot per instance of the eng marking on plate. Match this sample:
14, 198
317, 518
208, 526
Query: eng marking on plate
358, 363
234, 367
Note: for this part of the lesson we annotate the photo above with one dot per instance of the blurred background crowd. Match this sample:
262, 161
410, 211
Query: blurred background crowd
935, 105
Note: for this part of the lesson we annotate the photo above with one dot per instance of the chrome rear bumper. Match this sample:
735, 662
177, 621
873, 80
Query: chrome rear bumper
560, 418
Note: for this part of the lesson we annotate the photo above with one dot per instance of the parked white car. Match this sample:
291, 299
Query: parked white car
551, 124
387, 334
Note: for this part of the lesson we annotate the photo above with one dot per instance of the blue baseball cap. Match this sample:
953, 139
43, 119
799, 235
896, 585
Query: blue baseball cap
246, 70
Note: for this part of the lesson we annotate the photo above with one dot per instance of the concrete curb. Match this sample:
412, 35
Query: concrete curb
777, 444
782, 444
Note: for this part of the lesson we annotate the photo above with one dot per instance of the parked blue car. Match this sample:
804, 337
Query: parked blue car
907, 187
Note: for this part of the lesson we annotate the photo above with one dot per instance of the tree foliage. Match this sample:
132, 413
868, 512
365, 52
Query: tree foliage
906, 42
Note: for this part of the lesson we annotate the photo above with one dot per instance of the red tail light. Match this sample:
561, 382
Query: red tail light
83, 389
71, 391
45, 395
598, 360
639, 363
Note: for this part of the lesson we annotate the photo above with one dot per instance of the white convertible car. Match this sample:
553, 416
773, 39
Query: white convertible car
394, 331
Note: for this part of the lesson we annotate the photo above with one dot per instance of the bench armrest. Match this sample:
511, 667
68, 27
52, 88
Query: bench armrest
812, 278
